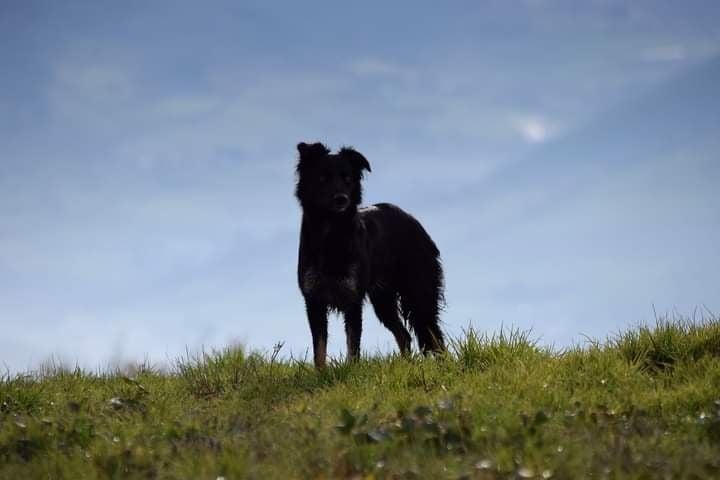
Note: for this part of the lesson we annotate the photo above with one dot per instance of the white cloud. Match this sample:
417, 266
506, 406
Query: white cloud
665, 53
693, 49
373, 67
533, 128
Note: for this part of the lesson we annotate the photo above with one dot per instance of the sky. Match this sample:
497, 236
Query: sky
564, 155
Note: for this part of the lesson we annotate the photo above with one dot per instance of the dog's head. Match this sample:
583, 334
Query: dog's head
329, 182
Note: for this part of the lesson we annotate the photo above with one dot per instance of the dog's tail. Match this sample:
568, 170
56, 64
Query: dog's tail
421, 291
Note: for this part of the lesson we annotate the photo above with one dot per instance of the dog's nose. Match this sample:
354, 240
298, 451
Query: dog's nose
341, 200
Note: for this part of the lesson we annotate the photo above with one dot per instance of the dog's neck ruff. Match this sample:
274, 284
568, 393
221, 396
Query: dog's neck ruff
315, 215
329, 247
324, 226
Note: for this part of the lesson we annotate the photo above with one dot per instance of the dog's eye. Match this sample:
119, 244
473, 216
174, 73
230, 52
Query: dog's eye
322, 179
347, 178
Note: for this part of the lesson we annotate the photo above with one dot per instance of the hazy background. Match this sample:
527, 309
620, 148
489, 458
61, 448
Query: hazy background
563, 154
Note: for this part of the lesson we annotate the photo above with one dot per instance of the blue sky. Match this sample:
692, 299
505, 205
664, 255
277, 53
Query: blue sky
563, 154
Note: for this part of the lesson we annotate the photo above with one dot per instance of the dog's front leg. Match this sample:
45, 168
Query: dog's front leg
317, 316
353, 330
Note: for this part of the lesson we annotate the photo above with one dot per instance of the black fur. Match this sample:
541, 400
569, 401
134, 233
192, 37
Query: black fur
348, 253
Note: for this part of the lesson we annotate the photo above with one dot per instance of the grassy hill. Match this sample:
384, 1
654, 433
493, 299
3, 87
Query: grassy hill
642, 404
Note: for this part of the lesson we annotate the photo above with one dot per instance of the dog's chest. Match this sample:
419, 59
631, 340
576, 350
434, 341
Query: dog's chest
336, 289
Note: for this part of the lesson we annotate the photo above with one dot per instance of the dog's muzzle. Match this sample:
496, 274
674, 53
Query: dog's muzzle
341, 201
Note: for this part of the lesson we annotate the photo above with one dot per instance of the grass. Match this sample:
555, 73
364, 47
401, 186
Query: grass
644, 403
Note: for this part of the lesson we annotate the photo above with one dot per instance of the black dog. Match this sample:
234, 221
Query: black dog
347, 253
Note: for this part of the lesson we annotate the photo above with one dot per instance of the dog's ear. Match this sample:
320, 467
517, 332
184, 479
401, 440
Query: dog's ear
313, 150
357, 159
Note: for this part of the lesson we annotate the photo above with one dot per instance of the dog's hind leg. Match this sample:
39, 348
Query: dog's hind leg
353, 330
422, 314
430, 337
317, 316
386, 309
